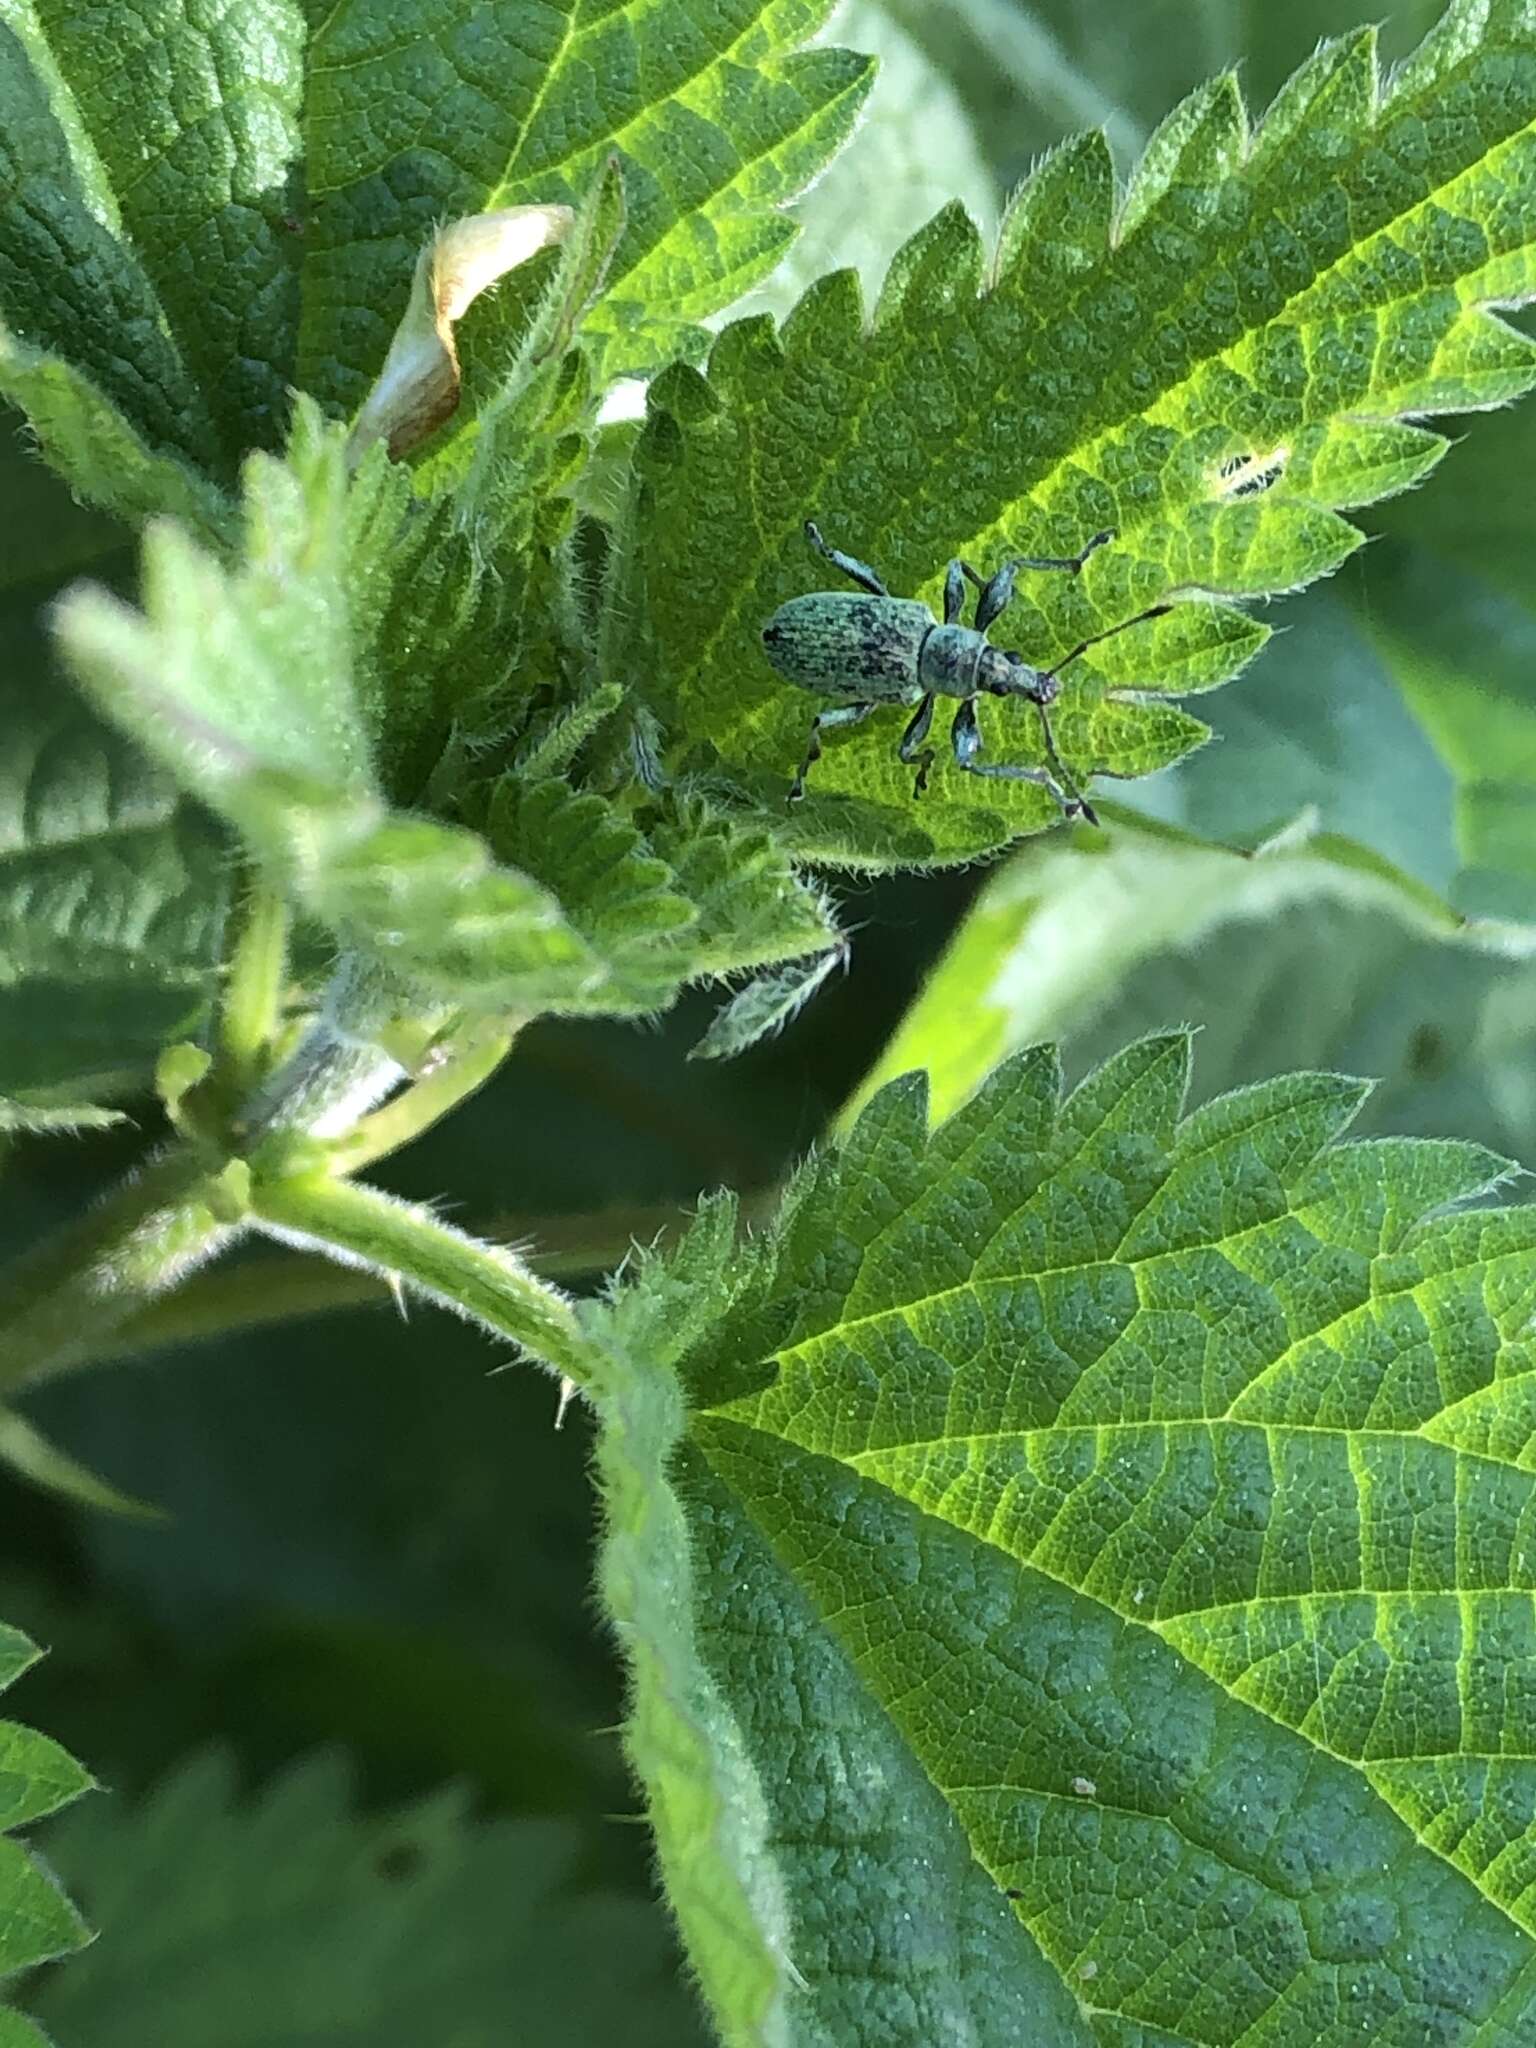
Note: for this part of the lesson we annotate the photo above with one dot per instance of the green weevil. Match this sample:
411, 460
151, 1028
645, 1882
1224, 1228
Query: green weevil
867, 651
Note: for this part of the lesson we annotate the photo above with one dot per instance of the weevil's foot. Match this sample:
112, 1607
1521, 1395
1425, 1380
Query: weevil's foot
1079, 807
796, 794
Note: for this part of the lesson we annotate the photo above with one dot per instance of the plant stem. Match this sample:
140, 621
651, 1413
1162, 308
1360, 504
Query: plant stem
341, 1066
250, 1005
61, 1300
483, 1282
464, 1068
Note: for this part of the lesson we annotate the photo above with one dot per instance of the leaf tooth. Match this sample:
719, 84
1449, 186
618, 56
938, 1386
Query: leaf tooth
1376, 1190
932, 273
1060, 219
829, 315
1332, 98
744, 353
1020, 1097
684, 394
1290, 1119
1190, 156
1460, 33
1140, 1088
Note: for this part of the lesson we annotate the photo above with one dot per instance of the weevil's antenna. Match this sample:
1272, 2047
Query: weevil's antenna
1155, 611
1076, 798
1052, 675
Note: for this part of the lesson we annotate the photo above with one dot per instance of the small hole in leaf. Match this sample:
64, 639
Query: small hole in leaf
1250, 475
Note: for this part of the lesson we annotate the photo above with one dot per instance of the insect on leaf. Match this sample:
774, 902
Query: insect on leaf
1215, 364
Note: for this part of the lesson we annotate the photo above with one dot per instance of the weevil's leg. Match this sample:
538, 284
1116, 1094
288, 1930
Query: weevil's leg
861, 572
1082, 647
912, 748
1072, 562
840, 714
954, 593
965, 737
996, 596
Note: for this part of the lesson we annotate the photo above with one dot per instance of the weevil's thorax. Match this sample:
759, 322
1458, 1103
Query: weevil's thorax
952, 661
843, 646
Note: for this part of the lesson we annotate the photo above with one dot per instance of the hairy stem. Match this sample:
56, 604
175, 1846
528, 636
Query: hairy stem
62, 1300
250, 1004
483, 1282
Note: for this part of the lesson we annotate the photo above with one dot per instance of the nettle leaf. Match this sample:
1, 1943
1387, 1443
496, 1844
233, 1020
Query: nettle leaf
1213, 365
692, 896
242, 680
1119, 1596
112, 886
716, 118
37, 1922
259, 686
913, 151
1310, 945
292, 1915
199, 214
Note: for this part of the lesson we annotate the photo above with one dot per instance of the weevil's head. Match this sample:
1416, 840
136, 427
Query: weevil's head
1005, 673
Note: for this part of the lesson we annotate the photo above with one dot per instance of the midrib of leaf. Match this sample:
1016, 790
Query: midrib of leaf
757, 41
749, 41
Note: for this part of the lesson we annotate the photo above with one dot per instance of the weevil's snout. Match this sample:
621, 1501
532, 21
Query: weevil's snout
1005, 673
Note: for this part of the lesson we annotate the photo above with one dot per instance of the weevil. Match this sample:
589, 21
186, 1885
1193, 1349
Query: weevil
867, 651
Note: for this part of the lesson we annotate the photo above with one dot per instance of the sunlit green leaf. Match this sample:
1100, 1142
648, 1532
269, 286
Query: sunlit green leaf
1309, 947
1141, 1499
1214, 365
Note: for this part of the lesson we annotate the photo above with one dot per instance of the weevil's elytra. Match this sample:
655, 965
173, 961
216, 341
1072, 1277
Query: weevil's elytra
863, 652
843, 646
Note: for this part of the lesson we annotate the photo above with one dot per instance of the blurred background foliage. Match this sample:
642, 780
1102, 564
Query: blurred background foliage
373, 1549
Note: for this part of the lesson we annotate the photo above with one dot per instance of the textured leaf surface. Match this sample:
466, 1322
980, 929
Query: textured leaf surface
1308, 947
111, 885
1150, 1494
290, 1917
203, 207
709, 1816
258, 687
37, 1922
716, 117
1214, 367
913, 152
